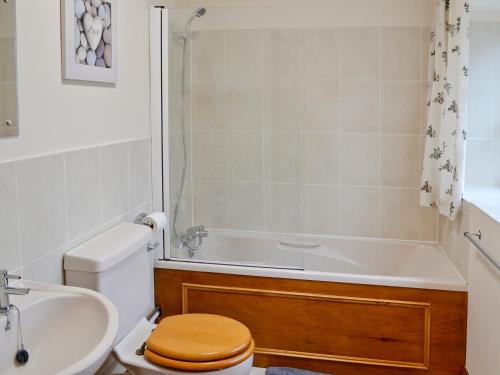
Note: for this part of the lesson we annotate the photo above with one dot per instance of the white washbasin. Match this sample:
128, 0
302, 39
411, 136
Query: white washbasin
66, 330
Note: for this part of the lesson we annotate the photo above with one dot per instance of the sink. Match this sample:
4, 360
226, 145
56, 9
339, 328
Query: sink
66, 330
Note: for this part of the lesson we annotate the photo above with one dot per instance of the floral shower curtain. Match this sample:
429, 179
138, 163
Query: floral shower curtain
444, 157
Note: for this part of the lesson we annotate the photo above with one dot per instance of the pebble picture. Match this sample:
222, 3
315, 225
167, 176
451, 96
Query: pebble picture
93, 33
89, 44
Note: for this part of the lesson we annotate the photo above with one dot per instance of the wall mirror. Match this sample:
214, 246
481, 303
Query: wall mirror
9, 125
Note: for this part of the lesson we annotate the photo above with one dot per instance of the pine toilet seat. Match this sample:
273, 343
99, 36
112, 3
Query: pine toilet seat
199, 343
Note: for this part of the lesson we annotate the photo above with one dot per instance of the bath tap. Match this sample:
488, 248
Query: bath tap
193, 237
6, 291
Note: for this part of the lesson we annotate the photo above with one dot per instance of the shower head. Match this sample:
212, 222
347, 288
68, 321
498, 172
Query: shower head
186, 34
200, 12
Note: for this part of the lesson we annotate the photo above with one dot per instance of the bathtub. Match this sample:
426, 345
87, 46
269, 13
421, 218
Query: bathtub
328, 304
338, 259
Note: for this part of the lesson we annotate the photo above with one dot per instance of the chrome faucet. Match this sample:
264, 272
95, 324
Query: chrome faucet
6, 291
193, 237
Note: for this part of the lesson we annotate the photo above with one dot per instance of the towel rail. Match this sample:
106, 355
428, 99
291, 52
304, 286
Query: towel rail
483, 251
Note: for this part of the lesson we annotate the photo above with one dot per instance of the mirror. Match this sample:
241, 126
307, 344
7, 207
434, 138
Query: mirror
9, 126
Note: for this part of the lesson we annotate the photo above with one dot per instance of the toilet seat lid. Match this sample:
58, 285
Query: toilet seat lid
199, 338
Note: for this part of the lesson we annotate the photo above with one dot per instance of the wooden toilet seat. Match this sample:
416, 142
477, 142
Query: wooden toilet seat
199, 366
199, 342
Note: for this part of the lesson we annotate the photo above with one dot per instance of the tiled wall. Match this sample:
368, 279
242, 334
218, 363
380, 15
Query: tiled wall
314, 131
8, 92
483, 146
452, 240
52, 203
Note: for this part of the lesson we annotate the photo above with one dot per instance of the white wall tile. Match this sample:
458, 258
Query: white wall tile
281, 49
208, 105
478, 162
283, 208
428, 224
315, 117
495, 161
425, 35
209, 155
400, 213
496, 111
207, 55
115, 180
401, 107
10, 254
48, 269
360, 211
243, 101
481, 51
360, 106
245, 206
281, 105
360, 159
321, 210
244, 156
243, 53
42, 205
282, 157
401, 53
209, 200
139, 172
479, 109
320, 106
60, 199
321, 159
83, 189
360, 48
400, 161
321, 53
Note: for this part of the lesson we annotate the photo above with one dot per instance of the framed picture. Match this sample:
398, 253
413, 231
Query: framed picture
89, 40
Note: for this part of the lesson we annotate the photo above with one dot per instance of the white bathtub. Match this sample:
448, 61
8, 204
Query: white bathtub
408, 264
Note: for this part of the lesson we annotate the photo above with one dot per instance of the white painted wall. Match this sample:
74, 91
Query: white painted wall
317, 13
58, 116
483, 339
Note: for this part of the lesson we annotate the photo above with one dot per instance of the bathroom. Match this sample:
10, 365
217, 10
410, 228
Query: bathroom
289, 159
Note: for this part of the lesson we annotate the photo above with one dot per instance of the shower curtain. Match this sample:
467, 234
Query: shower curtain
444, 156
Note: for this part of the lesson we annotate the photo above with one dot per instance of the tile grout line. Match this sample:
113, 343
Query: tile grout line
420, 122
302, 138
101, 186
66, 201
340, 130
380, 139
263, 143
18, 207
227, 165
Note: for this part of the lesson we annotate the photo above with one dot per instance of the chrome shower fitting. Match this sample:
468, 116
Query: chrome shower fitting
198, 13
193, 238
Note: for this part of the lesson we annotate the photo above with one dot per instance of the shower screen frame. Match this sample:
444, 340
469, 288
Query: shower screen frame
159, 122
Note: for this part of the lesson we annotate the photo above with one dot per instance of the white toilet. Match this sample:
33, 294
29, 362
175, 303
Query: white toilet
117, 264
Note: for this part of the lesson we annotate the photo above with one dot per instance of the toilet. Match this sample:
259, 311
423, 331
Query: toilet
117, 264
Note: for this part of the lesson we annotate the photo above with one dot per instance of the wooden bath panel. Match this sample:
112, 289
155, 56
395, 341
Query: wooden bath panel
338, 328
325, 327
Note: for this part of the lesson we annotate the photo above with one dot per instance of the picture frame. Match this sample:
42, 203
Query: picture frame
89, 40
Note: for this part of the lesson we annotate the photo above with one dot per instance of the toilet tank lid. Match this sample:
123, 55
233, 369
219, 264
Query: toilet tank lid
108, 249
